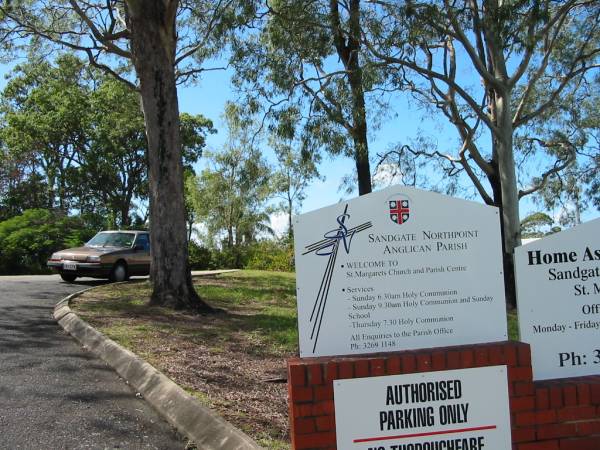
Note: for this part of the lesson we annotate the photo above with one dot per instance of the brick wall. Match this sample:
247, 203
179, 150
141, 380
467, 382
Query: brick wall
548, 415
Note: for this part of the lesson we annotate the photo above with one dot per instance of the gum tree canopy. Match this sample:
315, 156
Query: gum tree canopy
163, 41
494, 69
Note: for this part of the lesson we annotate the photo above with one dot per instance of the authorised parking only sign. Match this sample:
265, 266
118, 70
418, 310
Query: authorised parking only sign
465, 409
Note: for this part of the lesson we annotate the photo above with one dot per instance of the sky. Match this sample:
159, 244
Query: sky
209, 96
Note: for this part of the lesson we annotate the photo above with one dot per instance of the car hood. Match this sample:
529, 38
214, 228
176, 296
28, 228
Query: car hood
78, 253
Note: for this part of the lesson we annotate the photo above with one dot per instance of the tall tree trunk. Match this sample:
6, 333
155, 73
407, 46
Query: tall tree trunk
503, 152
359, 114
125, 207
290, 211
61, 193
153, 43
361, 158
577, 206
124, 215
509, 202
229, 236
190, 229
50, 180
348, 49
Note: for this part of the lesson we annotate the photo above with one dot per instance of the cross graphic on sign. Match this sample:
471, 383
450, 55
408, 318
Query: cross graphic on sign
329, 247
399, 211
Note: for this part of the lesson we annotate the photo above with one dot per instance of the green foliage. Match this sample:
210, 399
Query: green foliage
537, 225
112, 170
200, 257
19, 191
307, 72
571, 132
538, 57
203, 258
230, 197
44, 122
275, 256
74, 139
272, 256
295, 170
27, 240
194, 130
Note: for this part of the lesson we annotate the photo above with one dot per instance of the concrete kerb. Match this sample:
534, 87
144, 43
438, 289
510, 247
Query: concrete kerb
201, 425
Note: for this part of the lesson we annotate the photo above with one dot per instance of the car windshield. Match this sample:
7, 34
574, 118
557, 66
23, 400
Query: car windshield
112, 240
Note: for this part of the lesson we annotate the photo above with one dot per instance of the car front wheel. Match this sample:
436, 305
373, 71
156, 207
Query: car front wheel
69, 278
119, 273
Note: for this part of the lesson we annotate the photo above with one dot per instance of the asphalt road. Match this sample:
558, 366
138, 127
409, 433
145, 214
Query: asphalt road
53, 393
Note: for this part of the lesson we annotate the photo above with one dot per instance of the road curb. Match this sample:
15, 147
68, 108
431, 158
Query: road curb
205, 428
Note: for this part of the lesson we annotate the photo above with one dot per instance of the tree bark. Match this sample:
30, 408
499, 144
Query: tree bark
506, 192
190, 230
348, 50
290, 225
125, 215
230, 236
153, 43
509, 195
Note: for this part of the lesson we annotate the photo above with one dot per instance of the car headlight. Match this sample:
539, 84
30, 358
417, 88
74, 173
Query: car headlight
56, 256
93, 259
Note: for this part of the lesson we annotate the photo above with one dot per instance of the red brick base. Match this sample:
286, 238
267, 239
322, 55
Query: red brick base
547, 415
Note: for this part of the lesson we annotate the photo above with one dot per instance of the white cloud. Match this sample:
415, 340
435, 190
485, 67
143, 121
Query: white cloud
279, 223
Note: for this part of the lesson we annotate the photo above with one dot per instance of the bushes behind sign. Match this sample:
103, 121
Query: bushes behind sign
262, 255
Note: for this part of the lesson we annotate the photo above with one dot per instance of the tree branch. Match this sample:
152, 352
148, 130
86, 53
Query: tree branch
473, 55
105, 39
559, 165
543, 107
427, 73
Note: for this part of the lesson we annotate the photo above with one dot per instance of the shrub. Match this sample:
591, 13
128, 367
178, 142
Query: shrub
200, 257
27, 240
262, 255
271, 255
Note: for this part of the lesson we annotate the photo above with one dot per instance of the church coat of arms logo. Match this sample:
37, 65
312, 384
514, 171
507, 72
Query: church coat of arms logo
399, 210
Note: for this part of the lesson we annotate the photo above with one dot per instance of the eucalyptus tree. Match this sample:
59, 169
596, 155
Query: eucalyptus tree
295, 170
162, 41
491, 68
306, 62
537, 225
114, 167
577, 188
21, 188
45, 123
230, 195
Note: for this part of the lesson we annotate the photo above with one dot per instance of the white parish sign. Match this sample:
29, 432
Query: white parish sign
461, 409
398, 269
558, 295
